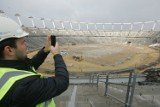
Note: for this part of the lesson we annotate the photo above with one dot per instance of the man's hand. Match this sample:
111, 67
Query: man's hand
55, 50
48, 44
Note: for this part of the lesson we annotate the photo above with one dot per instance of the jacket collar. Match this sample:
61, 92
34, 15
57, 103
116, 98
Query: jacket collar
20, 65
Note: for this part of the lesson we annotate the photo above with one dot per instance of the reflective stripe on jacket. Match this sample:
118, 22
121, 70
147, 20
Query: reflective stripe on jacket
8, 76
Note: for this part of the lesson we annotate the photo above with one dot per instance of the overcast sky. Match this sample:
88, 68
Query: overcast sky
86, 10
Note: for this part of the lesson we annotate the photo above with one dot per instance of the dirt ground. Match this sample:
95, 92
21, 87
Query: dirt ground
100, 57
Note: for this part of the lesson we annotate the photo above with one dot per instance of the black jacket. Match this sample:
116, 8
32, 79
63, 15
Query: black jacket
30, 91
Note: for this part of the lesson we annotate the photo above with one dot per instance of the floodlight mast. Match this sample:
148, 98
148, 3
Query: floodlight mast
1, 12
33, 25
18, 17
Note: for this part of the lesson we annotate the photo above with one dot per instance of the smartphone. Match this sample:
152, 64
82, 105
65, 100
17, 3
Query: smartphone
53, 40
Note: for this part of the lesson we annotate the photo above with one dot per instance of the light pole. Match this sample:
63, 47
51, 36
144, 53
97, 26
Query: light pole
18, 15
1, 12
33, 25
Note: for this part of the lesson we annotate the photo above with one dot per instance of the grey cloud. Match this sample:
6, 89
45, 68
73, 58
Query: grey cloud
86, 10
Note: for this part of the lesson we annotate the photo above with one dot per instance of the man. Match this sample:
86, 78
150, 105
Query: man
20, 85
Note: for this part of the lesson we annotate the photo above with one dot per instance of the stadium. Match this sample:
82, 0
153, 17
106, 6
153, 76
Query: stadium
109, 63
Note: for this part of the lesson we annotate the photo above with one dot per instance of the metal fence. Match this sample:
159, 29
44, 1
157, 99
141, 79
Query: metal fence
129, 84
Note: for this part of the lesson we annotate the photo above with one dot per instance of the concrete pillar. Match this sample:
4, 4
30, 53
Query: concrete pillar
53, 24
44, 25
79, 27
95, 26
71, 25
142, 25
121, 26
87, 26
112, 26
154, 25
131, 28
62, 24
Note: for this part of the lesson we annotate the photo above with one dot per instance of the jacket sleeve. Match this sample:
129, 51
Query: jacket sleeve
39, 58
38, 90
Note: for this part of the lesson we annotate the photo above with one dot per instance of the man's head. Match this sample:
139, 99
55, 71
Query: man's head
12, 42
13, 49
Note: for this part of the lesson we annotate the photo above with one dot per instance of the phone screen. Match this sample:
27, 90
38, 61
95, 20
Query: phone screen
53, 40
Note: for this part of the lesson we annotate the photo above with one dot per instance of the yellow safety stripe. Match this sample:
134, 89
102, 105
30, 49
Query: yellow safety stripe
49, 103
8, 76
10, 82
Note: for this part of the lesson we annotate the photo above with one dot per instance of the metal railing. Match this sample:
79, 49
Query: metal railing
130, 84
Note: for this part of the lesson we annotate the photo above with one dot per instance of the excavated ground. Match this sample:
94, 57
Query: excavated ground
100, 57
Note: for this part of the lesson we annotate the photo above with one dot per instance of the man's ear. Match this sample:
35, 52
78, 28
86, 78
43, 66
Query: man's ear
8, 51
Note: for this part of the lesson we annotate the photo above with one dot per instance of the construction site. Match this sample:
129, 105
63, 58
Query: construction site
108, 67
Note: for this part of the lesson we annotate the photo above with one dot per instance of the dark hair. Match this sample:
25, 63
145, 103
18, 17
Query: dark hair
7, 42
